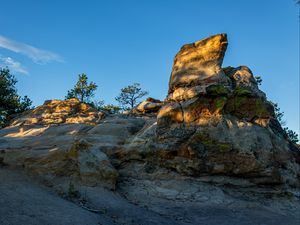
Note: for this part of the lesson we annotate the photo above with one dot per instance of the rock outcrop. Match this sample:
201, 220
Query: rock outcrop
59, 112
215, 125
227, 128
197, 66
150, 105
216, 122
72, 152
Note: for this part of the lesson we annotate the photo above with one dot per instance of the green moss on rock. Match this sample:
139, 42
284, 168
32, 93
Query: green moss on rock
224, 147
220, 103
261, 109
241, 91
210, 143
239, 101
217, 90
248, 107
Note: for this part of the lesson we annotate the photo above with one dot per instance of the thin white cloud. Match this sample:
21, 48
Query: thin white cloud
13, 65
38, 56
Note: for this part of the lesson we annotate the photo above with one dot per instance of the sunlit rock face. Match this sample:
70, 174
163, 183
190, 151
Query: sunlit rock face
77, 152
216, 121
59, 112
150, 105
197, 66
53, 141
242, 77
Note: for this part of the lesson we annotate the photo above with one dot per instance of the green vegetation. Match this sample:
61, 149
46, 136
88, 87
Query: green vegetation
217, 90
239, 100
224, 147
82, 90
203, 138
249, 107
128, 98
292, 136
240, 91
260, 108
278, 114
97, 104
258, 80
10, 101
220, 102
110, 109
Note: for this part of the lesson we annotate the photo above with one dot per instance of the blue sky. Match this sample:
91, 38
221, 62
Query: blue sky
48, 43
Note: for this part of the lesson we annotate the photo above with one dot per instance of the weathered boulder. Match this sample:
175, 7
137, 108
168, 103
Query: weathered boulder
197, 66
150, 105
59, 112
242, 79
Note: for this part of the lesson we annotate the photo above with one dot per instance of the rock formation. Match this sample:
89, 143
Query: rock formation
215, 126
59, 112
150, 105
76, 152
197, 66
217, 122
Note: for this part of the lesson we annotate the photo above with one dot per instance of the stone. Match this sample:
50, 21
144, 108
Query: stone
217, 121
150, 105
249, 108
172, 112
94, 166
242, 80
77, 152
215, 125
183, 93
197, 66
59, 112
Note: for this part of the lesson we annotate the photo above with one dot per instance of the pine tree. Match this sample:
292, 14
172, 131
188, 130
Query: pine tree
82, 90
